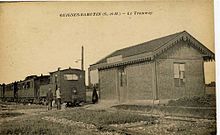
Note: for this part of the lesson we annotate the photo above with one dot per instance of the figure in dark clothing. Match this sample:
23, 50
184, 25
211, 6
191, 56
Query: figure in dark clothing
49, 99
58, 98
94, 96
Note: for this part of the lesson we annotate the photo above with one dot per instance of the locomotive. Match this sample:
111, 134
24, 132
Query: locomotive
33, 88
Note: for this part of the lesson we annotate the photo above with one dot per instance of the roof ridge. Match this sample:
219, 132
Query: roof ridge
150, 41
153, 45
170, 40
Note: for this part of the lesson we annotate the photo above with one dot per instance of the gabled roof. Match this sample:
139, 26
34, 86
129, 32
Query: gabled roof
145, 47
157, 46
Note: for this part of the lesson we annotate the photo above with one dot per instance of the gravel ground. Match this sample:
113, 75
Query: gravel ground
163, 125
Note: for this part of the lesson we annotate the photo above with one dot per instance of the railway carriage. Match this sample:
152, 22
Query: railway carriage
28, 90
34, 88
10, 92
71, 83
43, 89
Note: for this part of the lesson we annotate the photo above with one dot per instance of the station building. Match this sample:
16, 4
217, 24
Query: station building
169, 67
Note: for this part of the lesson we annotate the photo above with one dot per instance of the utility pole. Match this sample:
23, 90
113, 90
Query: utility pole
82, 59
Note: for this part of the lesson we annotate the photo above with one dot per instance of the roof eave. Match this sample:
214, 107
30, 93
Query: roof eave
186, 37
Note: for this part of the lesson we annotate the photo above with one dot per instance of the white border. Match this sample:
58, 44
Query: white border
217, 56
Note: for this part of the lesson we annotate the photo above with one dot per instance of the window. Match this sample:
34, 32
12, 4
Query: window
179, 74
23, 85
28, 85
71, 77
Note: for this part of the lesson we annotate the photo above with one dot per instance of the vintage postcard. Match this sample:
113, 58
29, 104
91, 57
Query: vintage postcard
107, 68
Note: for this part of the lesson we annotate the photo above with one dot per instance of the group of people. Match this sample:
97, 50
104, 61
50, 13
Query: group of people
50, 98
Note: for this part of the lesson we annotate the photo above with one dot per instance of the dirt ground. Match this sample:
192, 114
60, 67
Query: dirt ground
97, 120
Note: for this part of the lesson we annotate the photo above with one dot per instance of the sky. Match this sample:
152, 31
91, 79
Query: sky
36, 40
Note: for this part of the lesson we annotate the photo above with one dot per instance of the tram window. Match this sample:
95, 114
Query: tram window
23, 86
71, 77
28, 85
31, 84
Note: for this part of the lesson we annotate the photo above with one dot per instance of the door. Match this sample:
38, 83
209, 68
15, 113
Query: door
122, 85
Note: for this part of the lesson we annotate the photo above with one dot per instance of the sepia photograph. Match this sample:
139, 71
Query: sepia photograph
108, 68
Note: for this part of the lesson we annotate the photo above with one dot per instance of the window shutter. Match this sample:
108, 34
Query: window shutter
176, 71
182, 67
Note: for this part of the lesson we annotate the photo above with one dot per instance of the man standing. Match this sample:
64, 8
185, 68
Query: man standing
49, 99
58, 97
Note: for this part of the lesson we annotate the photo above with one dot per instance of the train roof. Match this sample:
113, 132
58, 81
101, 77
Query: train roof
36, 77
73, 69
30, 77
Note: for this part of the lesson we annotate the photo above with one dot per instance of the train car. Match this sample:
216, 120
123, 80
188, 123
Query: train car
33, 89
71, 83
43, 92
10, 92
28, 90
39, 82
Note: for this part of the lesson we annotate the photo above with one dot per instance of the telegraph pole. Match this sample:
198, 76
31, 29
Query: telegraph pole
82, 59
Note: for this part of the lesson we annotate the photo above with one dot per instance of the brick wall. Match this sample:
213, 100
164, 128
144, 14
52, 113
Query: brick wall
108, 79
138, 87
194, 72
139, 81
